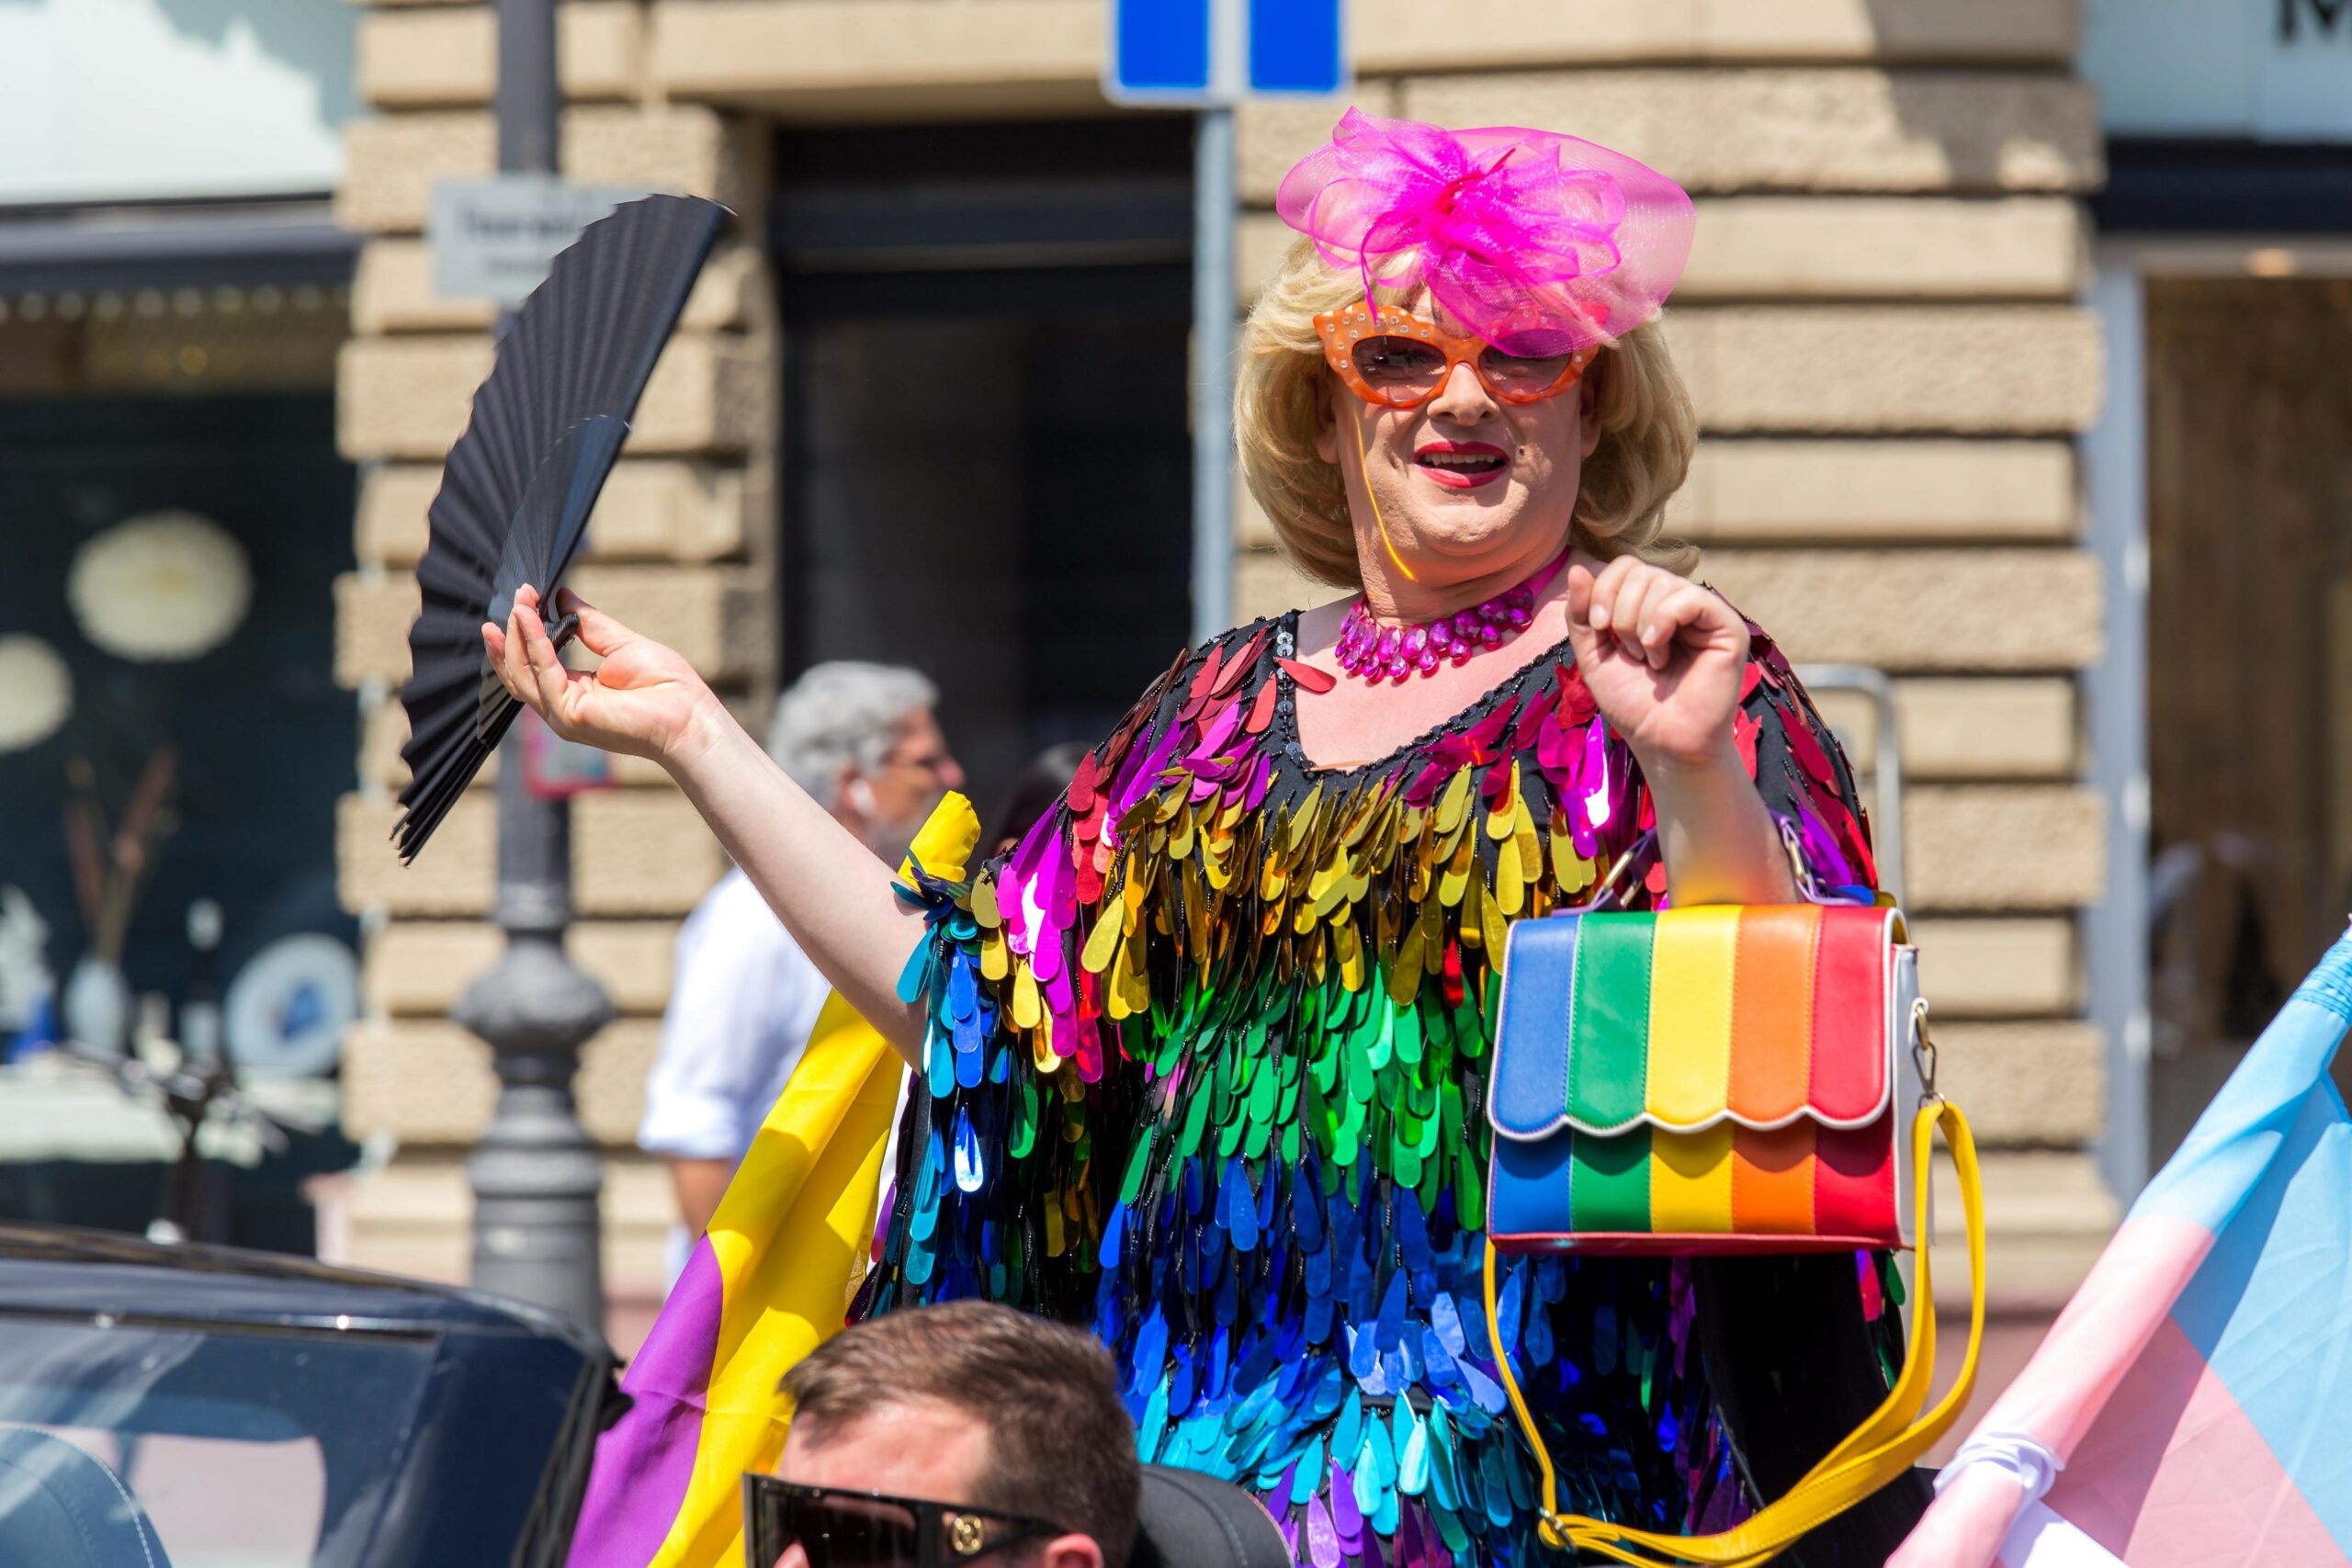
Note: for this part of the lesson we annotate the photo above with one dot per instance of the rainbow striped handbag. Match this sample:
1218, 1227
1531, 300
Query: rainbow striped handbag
1722, 1079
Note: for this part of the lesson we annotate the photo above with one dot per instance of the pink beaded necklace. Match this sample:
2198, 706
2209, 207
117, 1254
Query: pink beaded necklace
1375, 653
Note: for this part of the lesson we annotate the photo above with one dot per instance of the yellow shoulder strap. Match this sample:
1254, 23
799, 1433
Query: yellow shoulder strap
1882, 1448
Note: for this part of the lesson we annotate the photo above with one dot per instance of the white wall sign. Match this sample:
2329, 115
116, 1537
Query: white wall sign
493, 239
2272, 69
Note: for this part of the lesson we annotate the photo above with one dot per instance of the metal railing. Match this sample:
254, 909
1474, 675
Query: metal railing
1886, 762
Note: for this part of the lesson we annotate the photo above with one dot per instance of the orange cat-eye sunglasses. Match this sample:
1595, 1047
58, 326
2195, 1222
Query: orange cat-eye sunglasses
1399, 360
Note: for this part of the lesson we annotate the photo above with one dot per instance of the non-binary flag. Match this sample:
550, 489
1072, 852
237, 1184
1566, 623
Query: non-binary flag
770, 1281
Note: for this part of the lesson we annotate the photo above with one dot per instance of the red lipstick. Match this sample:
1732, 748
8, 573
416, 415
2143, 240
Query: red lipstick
1462, 465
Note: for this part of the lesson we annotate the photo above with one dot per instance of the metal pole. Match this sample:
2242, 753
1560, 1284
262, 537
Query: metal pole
1212, 336
536, 1176
2116, 930
527, 98
1886, 767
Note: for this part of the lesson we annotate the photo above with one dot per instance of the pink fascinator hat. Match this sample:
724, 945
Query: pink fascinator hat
1512, 230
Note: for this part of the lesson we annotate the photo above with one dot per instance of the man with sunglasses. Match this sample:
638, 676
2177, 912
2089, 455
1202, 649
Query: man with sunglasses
939, 1436
947, 1434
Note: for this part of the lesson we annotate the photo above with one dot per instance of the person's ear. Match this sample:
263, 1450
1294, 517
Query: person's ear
850, 789
1071, 1551
1587, 417
1327, 420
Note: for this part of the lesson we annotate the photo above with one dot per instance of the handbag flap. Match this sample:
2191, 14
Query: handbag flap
1758, 1014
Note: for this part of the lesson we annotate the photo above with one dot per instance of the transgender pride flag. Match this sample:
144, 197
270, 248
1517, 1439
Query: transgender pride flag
2198, 1388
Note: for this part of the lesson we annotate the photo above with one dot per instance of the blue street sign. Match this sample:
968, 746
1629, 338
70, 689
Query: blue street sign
1159, 46
1210, 55
1296, 46
1203, 53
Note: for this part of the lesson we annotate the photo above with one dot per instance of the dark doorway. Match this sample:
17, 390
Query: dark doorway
986, 454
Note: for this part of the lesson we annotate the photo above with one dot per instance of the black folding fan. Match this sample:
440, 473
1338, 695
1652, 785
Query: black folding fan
518, 486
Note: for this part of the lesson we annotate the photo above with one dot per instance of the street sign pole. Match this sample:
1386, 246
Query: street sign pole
1208, 55
1213, 337
537, 1182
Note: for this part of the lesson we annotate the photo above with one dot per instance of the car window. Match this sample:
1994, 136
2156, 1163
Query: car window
201, 1448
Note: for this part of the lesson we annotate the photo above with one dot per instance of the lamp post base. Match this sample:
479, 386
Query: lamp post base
535, 1178
537, 1181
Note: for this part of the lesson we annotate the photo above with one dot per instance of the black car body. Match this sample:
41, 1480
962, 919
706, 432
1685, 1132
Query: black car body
262, 1411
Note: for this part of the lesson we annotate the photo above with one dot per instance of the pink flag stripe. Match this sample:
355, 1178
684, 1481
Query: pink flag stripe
2177, 1475
2089, 1350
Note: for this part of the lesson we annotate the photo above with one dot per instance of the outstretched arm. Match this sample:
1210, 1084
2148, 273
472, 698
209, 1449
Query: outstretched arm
831, 892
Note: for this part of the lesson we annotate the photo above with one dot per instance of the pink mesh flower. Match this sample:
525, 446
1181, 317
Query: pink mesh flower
1512, 230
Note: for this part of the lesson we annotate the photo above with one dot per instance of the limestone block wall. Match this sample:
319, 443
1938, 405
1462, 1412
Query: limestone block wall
1881, 325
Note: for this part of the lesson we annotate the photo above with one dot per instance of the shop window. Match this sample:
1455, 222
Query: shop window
166, 684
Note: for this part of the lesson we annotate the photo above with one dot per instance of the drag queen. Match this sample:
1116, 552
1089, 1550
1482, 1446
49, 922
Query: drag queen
1202, 1060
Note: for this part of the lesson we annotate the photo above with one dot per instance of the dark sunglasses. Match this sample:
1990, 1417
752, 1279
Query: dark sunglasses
836, 1528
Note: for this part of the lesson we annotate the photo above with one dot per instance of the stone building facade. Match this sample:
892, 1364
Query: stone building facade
1881, 325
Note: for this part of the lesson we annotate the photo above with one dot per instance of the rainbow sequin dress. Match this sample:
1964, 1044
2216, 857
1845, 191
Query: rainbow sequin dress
1207, 1066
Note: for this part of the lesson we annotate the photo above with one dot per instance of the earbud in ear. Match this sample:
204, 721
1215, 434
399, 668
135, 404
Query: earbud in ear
861, 795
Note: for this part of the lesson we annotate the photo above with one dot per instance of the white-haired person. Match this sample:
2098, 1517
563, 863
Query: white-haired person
863, 742
1207, 1049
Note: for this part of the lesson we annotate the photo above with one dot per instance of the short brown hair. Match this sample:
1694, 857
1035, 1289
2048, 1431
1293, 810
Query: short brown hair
1060, 1446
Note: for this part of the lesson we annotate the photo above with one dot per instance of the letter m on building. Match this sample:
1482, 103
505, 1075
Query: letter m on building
2324, 13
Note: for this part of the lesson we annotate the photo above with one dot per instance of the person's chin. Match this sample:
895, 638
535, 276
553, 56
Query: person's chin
1467, 527
890, 841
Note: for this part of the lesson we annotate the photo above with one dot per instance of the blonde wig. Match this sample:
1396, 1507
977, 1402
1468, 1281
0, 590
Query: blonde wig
1648, 429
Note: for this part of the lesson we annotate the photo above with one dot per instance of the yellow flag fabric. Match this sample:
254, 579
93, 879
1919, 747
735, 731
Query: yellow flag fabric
769, 1283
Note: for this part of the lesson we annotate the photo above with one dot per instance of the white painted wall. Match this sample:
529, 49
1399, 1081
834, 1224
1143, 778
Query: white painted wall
2274, 70
108, 100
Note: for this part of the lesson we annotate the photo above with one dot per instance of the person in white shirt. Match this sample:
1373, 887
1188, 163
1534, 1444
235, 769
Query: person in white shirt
865, 740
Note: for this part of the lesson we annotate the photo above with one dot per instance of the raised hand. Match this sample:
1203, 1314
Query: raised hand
1663, 656
823, 882
643, 699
